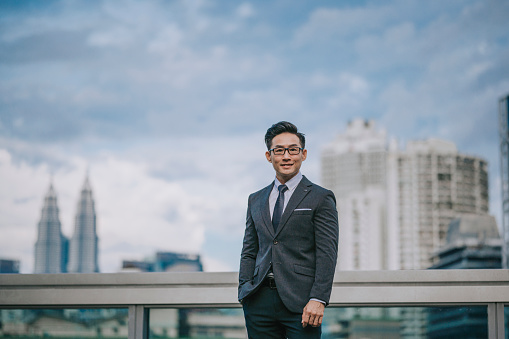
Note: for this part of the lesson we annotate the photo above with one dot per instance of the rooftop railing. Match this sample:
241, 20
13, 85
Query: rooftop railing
140, 292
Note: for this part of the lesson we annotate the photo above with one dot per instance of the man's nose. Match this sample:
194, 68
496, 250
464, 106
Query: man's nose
286, 155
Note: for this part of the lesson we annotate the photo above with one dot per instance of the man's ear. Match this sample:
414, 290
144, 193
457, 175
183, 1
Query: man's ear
267, 155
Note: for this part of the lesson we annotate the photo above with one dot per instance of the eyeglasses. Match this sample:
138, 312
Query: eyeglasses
282, 151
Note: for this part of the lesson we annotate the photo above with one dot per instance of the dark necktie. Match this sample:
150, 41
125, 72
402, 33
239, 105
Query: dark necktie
278, 208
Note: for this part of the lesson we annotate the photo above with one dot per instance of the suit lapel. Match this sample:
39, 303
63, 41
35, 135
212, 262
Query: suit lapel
300, 192
265, 209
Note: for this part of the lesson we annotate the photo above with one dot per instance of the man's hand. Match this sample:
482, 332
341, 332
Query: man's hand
313, 313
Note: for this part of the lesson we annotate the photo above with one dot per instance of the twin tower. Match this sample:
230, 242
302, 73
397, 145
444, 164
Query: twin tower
54, 253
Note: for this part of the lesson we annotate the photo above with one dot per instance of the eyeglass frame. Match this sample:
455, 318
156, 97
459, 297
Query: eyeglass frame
285, 149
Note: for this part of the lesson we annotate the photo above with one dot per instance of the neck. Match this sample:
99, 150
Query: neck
284, 180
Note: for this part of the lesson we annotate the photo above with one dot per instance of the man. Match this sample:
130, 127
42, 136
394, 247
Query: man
290, 246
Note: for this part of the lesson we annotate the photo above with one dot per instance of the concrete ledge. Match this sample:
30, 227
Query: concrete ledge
351, 288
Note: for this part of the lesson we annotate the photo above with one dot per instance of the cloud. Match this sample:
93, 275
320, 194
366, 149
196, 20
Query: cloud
124, 78
332, 24
167, 104
245, 10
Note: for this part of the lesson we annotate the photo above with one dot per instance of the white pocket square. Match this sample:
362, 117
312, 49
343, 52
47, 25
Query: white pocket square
303, 209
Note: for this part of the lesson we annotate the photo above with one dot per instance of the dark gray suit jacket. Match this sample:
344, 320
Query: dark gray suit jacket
303, 252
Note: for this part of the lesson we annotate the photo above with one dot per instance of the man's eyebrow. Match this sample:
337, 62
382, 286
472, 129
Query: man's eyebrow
279, 146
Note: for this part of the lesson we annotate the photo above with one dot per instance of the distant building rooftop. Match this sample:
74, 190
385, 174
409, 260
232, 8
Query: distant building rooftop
9, 266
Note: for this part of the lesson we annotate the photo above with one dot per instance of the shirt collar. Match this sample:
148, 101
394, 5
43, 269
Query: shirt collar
291, 184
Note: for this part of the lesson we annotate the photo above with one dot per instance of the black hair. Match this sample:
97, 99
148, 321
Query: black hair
283, 127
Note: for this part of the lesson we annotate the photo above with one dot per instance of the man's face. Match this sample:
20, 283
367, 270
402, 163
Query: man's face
286, 165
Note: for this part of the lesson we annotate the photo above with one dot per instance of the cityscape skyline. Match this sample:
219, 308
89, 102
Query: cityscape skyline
395, 204
155, 98
373, 185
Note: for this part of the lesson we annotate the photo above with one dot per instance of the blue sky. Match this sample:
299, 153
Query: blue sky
166, 104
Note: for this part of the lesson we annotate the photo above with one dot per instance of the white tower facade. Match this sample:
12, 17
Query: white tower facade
51, 245
354, 168
83, 250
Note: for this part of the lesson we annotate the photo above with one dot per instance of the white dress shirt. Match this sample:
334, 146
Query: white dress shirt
291, 184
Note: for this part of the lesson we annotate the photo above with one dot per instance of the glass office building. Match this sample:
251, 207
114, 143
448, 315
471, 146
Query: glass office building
503, 106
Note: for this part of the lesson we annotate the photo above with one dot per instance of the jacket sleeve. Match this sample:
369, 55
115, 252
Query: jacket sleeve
326, 231
249, 251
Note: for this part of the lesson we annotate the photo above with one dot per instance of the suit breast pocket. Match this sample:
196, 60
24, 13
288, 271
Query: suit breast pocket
303, 211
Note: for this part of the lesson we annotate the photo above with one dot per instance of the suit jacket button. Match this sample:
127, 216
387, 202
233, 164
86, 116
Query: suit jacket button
275, 242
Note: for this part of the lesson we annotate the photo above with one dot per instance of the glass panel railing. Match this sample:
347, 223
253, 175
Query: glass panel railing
64, 323
360, 322
506, 321
197, 323
406, 322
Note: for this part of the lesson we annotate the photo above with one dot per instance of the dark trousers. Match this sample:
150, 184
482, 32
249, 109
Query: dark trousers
267, 317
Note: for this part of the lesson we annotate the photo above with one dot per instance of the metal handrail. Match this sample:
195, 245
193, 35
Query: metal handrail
141, 291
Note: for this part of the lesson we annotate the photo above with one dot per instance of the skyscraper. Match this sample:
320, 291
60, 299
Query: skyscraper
51, 245
83, 250
435, 184
354, 168
504, 174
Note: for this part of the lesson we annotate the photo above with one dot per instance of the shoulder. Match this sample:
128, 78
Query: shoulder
319, 192
316, 188
262, 192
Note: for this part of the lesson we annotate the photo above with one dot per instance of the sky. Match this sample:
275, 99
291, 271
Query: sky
165, 104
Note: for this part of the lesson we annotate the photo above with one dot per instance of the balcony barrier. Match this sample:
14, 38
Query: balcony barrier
139, 292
